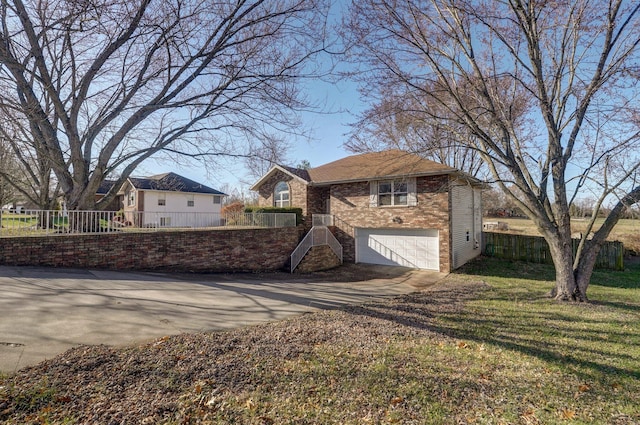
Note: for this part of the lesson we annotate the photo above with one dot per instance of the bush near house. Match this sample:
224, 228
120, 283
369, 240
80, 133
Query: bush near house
279, 210
232, 208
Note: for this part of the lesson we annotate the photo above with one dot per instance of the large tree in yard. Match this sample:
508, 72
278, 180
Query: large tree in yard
546, 92
93, 88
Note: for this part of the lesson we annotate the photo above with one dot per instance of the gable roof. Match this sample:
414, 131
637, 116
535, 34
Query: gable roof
171, 182
105, 187
387, 164
377, 165
296, 173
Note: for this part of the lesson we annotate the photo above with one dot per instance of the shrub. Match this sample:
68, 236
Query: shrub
296, 211
232, 208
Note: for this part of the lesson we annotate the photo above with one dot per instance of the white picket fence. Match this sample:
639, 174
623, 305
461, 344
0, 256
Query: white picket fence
50, 222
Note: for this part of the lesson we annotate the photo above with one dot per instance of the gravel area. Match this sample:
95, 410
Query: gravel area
145, 384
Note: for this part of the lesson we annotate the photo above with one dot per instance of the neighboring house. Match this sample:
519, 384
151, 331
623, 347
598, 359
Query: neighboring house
105, 187
390, 207
170, 200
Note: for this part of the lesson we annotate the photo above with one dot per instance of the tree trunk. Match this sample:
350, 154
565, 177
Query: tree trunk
567, 280
584, 268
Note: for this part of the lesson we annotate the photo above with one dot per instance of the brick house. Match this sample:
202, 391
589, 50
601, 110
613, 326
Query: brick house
390, 207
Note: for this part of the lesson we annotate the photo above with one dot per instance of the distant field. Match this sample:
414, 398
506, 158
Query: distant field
626, 231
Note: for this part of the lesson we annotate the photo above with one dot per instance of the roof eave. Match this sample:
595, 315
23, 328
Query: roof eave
274, 168
387, 177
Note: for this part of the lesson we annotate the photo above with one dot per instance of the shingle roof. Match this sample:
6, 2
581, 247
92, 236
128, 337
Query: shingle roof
376, 165
171, 182
302, 173
367, 166
105, 186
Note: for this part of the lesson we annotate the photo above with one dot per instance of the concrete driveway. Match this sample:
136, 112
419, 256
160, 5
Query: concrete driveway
45, 311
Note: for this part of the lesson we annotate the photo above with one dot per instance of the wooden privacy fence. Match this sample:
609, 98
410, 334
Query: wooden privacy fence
535, 249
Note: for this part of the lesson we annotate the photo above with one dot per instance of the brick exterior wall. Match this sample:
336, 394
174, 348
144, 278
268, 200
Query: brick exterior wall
317, 198
350, 205
202, 251
318, 258
297, 191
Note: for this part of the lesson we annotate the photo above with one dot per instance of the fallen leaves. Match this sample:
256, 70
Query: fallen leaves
568, 414
332, 367
584, 388
397, 400
529, 417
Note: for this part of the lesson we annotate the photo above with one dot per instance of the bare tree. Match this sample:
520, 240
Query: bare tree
396, 121
547, 92
7, 167
96, 87
25, 168
272, 150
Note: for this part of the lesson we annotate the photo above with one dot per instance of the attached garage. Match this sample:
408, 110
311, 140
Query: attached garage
416, 248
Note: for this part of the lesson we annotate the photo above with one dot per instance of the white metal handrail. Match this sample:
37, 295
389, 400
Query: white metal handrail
322, 220
49, 222
318, 235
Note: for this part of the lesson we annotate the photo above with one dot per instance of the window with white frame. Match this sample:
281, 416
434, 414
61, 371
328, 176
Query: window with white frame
392, 193
165, 221
191, 201
162, 199
217, 199
131, 198
281, 195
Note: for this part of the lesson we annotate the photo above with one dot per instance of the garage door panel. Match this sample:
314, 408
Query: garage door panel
417, 248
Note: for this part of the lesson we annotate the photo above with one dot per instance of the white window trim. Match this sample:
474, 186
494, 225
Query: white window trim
278, 201
131, 198
191, 201
162, 197
412, 198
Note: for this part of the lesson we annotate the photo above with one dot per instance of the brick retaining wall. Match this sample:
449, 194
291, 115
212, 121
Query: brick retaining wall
203, 251
318, 258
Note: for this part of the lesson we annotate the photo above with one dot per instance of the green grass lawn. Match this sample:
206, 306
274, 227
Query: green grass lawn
17, 220
485, 346
28, 224
511, 356
557, 362
25, 222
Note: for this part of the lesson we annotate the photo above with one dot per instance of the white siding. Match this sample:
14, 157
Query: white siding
466, 223
176, 213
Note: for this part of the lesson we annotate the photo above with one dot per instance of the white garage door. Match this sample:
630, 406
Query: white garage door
417, 248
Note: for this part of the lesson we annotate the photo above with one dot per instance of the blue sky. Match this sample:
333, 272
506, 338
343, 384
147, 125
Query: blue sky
339, 103
328, 134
